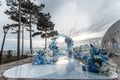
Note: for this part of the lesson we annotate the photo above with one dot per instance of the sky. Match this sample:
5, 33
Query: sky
79, 19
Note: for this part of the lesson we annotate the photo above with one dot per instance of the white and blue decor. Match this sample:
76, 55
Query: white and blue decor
55, 48
97, 62
47, 64
40, 58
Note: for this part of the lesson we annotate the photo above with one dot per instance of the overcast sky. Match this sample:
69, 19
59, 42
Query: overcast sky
80, 19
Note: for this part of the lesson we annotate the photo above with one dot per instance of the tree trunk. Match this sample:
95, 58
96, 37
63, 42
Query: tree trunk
45, 42
18, 39
2, 48
30, 35
22, 40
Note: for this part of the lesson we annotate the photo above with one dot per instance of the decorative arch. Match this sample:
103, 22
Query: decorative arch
55, 48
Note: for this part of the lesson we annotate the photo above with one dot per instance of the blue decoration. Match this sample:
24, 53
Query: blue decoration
92, 67
85, 57
77, 52
55, 48
97, 62
39, 59
84, 68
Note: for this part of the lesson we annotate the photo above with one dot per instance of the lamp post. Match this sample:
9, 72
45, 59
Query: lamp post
5, 29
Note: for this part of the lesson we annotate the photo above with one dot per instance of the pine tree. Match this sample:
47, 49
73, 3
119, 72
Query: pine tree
31, 9
28, 15
0, 3
18, 16
14, 13
45, 27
